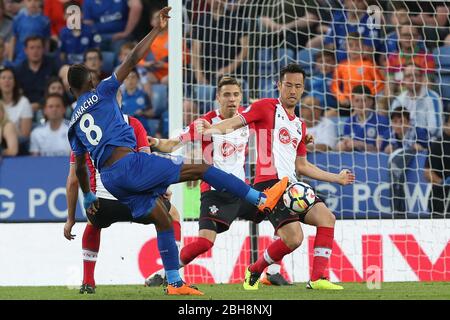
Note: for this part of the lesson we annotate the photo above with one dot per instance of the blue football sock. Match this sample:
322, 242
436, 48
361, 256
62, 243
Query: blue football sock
222, 181
169, 255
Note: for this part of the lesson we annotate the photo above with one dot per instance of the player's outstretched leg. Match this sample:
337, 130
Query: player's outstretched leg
321, 217
90, 246
169, 251
222, 181
159, 277
291, 237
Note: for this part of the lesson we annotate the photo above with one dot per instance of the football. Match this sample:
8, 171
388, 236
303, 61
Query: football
298, 197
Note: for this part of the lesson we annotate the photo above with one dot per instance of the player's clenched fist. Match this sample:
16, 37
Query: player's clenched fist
164, 17
201, 125
346, 177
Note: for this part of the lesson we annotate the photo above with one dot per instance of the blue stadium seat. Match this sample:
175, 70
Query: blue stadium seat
284, 57
205, 94
109, 62
267, 88
159, 99
265, 62
305, 58
153, 126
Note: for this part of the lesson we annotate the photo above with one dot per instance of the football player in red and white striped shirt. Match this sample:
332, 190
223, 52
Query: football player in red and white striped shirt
281, 146
227, 152
110, 210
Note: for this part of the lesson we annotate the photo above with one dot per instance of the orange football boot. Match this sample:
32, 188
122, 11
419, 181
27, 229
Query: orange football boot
273, 195
184, 290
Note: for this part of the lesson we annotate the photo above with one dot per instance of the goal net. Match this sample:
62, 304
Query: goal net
377, 100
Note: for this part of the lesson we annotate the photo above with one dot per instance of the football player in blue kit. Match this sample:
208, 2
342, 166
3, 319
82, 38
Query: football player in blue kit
137, 179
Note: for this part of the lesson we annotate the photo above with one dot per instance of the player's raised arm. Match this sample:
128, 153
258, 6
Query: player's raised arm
225, 126
140, 50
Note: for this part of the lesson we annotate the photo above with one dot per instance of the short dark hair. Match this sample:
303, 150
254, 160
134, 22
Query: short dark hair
96, 50
362, 89
57, 96
292, 68
400, 112
70, 3
325, 53
354, 36
34, 38
78, 75
227, 81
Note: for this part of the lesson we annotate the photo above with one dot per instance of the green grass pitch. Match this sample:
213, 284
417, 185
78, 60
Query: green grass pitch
352, 291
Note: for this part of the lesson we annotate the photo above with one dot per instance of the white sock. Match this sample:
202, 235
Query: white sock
273, 268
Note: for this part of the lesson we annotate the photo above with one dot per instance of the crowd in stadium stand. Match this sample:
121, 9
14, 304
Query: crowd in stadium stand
369, 87
36, 48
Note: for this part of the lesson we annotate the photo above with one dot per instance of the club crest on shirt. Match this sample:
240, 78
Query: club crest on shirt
213, 210
284, 136
371, 132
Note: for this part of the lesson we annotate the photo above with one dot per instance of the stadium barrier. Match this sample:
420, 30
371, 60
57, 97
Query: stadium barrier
33, 189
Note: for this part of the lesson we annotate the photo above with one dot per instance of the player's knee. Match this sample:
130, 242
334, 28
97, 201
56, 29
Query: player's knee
293, 241
329, 219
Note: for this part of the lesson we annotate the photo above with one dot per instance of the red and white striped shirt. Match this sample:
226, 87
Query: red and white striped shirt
224, 151
280, 139
94, 176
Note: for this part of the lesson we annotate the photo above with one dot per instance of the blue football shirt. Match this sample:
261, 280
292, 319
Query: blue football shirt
97, 123
109, 16
75, 46
367, 131
24, 26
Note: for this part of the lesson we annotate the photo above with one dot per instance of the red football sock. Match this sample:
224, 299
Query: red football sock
323, 245
275, 252
90, 245
194, 249
177, 230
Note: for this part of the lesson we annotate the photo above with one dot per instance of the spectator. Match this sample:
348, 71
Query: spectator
113, 20
17, 106
299, 21
352, 18
13, 7
50, 139
423, 104
56, 86
319, 84
9, 141
355, 71
363, 130
219, 43
56, 12
28, 23
5, 23
3, 62
323, 129
432, 17
158, 64
93, 60
402, 141
437, 172
135, 102
409, 51
73, 42
35, 71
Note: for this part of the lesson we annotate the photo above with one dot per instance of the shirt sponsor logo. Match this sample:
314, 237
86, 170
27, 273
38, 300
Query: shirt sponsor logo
284, 136
228, 149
